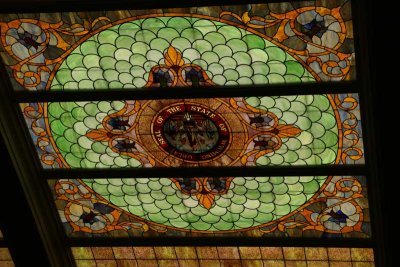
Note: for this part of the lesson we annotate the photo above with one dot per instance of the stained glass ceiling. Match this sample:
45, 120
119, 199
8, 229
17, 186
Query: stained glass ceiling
237, 47
302, 206
251, 131
223, 256
222, 45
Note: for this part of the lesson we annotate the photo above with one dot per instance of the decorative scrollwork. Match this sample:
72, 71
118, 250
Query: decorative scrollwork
352, 140
34, 114
337, 210
322, 31
86, 212
30, 42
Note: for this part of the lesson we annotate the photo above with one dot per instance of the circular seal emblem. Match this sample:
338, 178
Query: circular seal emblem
190, 132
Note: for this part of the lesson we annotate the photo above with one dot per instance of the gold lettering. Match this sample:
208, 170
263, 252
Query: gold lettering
160, 119
174, 109
222, 127
159, 137
202, 110
181, 155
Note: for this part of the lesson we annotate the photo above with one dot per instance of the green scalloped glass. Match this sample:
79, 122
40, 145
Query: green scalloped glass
235, 45
203, 206
319, 138
244, 206
78, 134
123, 55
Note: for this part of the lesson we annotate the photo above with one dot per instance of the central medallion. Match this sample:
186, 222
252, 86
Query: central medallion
190, 131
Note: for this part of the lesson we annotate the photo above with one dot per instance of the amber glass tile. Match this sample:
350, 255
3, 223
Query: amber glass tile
362, 254
231, 263
106, 263
7, 264
186, 252
127, 263
218, 256
252, 263
165, 252
228, 253
103, 253
123, 252
147, 263
210, 263
84, 253
295, 264
5, 258
168, 263
271, 253
363, 264
317, 264
144, 253
188, 263
316, 254
207, 252
250, 252
5, 254
340, 264
291, 253
274, 263
339, 254
86, 263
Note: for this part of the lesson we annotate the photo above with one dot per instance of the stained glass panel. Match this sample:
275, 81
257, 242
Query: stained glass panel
5, 256
224, 256
291, 42
294, 206
242, 131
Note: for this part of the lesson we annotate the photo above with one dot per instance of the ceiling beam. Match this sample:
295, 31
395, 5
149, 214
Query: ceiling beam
222, 171
188, 92
33, 6
222, 241
372, 126
17, 222
35, 188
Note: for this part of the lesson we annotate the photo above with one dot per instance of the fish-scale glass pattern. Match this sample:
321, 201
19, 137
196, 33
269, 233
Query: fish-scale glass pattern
123, 55
250, 201
316, 144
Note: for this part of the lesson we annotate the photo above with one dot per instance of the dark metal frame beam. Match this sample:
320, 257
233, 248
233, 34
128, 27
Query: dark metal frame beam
40, 201
366, 70
17, 222
206, 172
32, 6
188, 92
220, 241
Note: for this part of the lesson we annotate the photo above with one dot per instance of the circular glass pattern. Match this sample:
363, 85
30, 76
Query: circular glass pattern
123, 56
190, 132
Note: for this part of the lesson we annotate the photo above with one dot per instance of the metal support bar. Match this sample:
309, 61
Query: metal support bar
33, 6
370, 123
184, 92
205, 172
221, 241
35, 188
